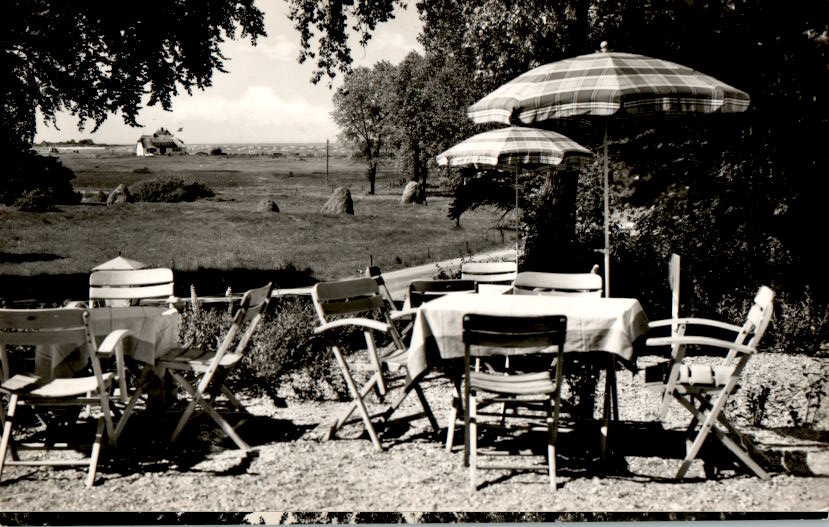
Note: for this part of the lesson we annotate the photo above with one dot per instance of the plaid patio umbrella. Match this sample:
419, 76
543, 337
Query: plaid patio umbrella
603, 84
512, 147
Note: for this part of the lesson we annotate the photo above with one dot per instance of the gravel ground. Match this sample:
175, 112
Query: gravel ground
291, 469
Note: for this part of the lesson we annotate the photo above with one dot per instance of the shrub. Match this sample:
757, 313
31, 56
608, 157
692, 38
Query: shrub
36, 200
170, 190
217, 152
284, 344
36, 181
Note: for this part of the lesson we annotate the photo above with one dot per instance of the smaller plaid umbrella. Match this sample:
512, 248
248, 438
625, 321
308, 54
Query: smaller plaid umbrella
511, 147
120, 263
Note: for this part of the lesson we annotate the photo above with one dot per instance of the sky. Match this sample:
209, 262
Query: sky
266, 96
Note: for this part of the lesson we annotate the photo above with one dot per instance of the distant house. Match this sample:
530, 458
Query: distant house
160, 142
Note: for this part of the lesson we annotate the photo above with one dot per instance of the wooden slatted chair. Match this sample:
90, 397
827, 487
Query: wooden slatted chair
703, 389
125, 287
537, 283
357, 299
512, 333
24, 384
207, 369
421, 291
489, 273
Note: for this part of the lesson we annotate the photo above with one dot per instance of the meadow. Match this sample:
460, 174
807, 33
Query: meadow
224, 241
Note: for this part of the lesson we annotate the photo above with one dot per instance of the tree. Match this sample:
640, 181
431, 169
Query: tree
361, 111
95, 58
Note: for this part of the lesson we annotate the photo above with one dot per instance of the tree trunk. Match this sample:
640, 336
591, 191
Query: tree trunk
371, 175
418, 172
551, 245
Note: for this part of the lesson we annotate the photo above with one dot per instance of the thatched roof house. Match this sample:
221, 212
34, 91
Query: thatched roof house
160, 142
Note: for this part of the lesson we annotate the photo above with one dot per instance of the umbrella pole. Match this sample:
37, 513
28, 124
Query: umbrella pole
516, 216
606, 219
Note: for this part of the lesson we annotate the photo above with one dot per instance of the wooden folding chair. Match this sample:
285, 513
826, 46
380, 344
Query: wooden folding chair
703, 389
124, 287
209, 368
533, 391
536, 283
25, 384
421, 291
352, 298
489, 273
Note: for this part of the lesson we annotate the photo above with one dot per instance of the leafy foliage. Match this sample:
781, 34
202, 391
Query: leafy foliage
170, 190
328, 22
36, 182
94, 58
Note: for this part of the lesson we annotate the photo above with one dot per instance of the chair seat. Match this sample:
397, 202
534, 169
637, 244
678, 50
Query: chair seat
691, 375
529, 383
28, 388
397, 357
196, 359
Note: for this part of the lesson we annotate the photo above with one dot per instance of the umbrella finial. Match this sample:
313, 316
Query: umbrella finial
603, 46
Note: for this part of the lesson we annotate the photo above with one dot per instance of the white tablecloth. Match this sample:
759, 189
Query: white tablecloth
593, 323
154, 331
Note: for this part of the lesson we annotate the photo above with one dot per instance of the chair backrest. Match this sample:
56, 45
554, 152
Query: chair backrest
757, 320
351, 296
374, 272
421, 291
489, 272
514, 331
36, 327
535, 283
346, 297
673, 281
120, 287
251, 309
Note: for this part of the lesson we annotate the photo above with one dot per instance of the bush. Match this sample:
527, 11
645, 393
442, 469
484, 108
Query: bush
170, 190
35, 182
36, 200
283, 349
729, 226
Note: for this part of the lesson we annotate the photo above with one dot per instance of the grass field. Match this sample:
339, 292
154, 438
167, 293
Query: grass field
225, 236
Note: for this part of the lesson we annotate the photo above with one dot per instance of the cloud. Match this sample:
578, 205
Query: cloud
279, 48
258, 113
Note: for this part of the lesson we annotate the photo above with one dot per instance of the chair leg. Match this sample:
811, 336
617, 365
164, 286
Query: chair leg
551, 447
741, 454
424, 403
122, 422
708, 421
355, 393
610, 412
472, 426
7, 431
453, 415
223, 424
198, 399
364, 391
96, 452
191, 407
553, 427
232, 398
